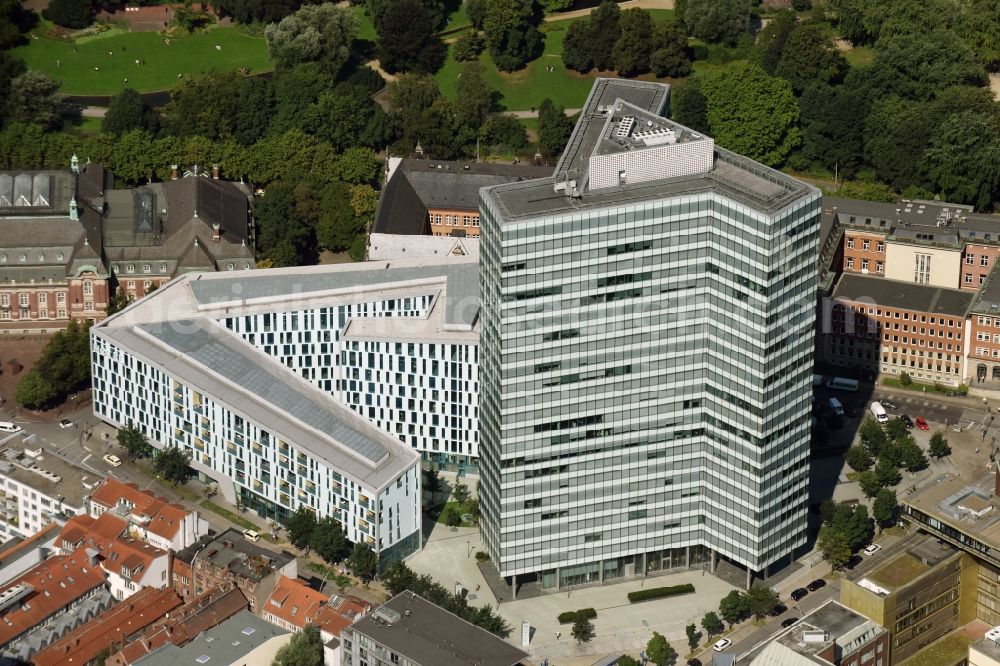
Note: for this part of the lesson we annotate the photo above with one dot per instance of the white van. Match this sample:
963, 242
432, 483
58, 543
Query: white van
835, 405
250, 535
879, 411
7, 426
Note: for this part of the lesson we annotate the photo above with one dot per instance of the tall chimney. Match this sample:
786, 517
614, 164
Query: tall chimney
215, 171
173, 172
216, 232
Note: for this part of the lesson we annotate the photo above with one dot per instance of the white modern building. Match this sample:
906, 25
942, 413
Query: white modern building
39, 487
647, 338
318, 386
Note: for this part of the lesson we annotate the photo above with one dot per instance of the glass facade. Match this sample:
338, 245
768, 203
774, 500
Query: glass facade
645, 384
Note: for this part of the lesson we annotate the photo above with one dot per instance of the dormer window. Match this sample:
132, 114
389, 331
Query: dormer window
60, 256
23, 257
41, 257
130, 268
146, 268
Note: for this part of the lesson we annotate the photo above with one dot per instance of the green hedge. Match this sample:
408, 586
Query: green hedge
569, 617
660, 592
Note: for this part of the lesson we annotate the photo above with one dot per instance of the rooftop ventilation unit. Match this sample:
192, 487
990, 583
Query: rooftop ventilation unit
12, 595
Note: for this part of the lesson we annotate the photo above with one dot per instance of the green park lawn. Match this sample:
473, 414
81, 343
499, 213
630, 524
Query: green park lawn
194, 54
367, 31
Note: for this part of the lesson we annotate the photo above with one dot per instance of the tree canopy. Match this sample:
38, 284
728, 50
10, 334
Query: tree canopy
305, 649
511, 29
717, 20
407, 38
314, 33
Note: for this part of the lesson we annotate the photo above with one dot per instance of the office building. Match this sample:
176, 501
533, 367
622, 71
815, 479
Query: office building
831, 635
410, 631
647, 341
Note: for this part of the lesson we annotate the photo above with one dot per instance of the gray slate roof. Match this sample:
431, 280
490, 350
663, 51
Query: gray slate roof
225, 643
903, 295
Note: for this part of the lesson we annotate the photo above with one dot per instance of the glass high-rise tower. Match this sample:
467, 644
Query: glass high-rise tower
646, 353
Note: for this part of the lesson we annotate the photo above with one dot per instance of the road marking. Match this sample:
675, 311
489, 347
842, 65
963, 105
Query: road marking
85, 459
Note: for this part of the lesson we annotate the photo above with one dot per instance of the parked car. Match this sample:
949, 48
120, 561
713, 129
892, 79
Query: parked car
113, 460
796, 595
956, 394
872, 549
888, 404
694, 662
905, 418
778, 610
816, 584
65, 423
722, 644
922, 423
789, 622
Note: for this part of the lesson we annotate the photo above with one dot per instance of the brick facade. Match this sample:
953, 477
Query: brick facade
864, 253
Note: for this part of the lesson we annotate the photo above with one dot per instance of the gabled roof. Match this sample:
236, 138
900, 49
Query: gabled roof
104, 535
90, 531
164, 518
214, 201
85, 643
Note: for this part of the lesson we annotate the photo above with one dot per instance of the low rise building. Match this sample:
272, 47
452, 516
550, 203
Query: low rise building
242, 640
129, 564
410, 631
50, 600
920, 590
228, 559
294, 604
830, 635
440, 198
184, 624
986, 651
119, 624
150, 518
37, 487
19, 555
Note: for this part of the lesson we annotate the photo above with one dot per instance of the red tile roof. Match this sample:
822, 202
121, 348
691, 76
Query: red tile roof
298, 604
84, 643
164, 518
56, 583
103, 534
185, 624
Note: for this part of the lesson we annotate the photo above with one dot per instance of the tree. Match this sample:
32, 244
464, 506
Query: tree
885, 509
34, 391
173, 465
583, 630
873, 436
73, 14
301, 526
733, 607
363, 562
693, 636
895, 430
15, 22
849, 16
337, 225
689, 106
314, 33
905, 379
554, 129
284, 235
452, 517
963, 160
911, 457
577, 46
852, 523
118, 301
869, 482
717, 20
328, 541
835, 547
134, 442
35, 99
358, 166
712, 624
659, 651
670, 56
832, 119
511, 29
858, 458
808, 57
504, 131
407, 39
475, 98
347, 116
127, 111
887, 473
219, 105
604, 33
919, 65
761, 600
305, 649
939, 446
626, 660
476, 11
632, 49
431, 480
751, 113
469, 46
771, 41
460, 491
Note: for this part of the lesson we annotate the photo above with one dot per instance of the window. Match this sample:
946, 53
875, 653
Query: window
61, 314
850, 243
864, 264
163, 268
982, 280
61, 297
130, 268
43, 298
984, 260
850, 262
3, 258
88, 306
865, 245
968, 278
5, 300
88, 288
922, 268
880, 267
23, 257
880, 247
146, 268
232, 266
970, 259
146, 284
43, 314
130, 284
22, 299
247, 265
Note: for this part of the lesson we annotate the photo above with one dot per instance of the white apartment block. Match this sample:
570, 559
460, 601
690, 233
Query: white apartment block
250, 374
37, 487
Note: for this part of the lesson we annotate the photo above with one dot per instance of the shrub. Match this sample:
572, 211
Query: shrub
481, 556
660, 592
571, 617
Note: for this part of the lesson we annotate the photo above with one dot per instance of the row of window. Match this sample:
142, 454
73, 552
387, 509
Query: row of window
866, 245
42, 313
24, 257
457, 221
984, 260
839, 308
879, 265
23, 298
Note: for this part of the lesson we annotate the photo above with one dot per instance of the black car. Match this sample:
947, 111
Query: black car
789, 622
956, 394
778, 610
694, 662
816, 584
888, 404
799, 593
905, 418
